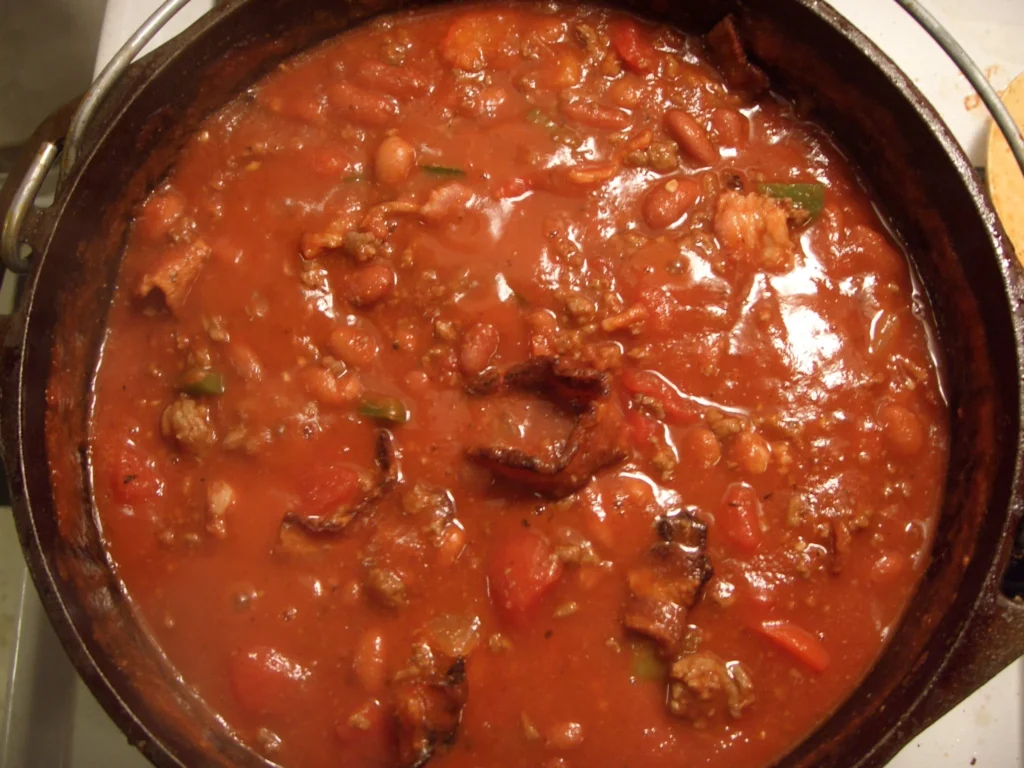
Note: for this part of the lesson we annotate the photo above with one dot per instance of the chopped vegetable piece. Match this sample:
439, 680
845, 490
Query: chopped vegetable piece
202, 382
645, 665
808, 196
442, 170
797, 641
384, 408
678, 410
633, 46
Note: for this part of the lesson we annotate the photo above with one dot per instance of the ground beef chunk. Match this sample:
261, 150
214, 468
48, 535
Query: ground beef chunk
669, 581
428, 710
434, 506
187, 422
572, 548
385, 587
755, 228
701, 685
219, 498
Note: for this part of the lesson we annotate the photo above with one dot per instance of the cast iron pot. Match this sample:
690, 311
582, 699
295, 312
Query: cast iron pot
958, 631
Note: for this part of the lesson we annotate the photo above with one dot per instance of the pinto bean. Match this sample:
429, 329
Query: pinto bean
361, 106
565, 736
479, 345
329, 388
667, 202
353, 346
567, 71
751, 452
370, 284
902, 430
395, 158
691, 137
627, 91
369, 661
701, 448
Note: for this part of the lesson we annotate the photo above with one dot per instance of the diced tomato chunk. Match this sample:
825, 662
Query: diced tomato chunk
739, 518
678, 410
798, 642
330, 487
265, 681
524, 568
134, 479
633, 46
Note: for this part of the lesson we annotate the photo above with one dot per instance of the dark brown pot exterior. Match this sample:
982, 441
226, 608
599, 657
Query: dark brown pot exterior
958, 631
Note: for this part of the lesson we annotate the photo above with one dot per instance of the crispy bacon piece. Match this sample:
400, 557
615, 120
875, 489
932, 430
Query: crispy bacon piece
725, 49
297, 526
595, 441
669, 580
428, 711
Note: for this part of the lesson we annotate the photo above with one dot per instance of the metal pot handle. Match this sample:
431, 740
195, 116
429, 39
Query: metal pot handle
989, 96
67, 147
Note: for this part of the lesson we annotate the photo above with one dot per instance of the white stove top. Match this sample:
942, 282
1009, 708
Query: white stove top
52, 720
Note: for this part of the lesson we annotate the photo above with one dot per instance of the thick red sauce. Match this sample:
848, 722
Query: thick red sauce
730, 452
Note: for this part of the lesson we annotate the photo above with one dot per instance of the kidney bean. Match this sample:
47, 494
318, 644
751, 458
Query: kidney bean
595, 115
397, 81
370, 284
668, 201
691, 137
732, 127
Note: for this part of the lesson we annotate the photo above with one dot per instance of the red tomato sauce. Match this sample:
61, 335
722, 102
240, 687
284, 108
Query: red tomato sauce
508, 387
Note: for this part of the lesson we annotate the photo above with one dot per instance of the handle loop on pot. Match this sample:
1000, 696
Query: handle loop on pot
25, 195
989, 96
